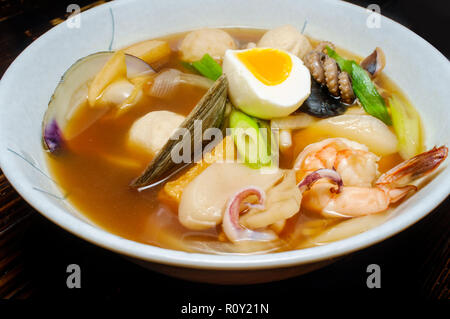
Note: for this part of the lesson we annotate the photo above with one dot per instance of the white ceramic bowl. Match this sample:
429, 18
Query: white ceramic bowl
26, 87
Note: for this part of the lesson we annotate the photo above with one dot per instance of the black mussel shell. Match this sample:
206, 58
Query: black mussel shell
321, 104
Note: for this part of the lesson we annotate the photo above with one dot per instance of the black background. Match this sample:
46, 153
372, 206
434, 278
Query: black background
411, 261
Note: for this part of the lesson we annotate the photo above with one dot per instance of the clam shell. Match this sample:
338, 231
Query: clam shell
71, 91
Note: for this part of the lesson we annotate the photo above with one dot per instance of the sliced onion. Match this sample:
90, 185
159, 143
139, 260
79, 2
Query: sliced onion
167, 81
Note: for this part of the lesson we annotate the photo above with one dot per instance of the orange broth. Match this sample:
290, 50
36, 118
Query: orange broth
97, 166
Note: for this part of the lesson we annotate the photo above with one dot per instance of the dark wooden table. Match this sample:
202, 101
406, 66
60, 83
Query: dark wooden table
34, 253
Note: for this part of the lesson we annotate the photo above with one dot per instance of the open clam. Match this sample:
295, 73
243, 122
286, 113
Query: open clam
71, 94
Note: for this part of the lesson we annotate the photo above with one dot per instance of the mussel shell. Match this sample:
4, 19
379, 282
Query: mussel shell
321, 104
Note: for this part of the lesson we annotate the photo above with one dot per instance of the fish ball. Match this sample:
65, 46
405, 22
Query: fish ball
286, 38
150, 132
212, 41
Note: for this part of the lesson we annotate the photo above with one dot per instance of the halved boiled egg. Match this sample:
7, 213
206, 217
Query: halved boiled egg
266, 82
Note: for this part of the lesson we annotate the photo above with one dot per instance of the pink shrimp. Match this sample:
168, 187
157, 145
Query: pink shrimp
362, 194
353, 161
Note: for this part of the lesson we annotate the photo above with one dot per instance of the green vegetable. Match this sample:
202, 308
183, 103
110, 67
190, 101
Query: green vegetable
372, 102
251, 139
345, 65
208, 67
406, 123
188, 66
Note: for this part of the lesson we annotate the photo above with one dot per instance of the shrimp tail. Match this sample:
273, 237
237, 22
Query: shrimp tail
395, 194
414, 168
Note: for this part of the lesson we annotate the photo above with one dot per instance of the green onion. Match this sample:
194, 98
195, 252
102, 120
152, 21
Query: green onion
251, 139
208, 67
345, 65
406, 123
372, 102
188, 66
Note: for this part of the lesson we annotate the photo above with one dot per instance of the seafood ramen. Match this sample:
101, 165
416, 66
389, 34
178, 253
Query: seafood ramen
231, 141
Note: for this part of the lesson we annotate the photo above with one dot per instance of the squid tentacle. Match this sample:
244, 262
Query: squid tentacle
313, 177
231, 226
236, 232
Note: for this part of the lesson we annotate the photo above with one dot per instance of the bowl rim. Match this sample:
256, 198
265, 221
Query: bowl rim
101, 237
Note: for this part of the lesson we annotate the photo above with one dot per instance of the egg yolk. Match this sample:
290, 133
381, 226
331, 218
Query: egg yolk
270, 66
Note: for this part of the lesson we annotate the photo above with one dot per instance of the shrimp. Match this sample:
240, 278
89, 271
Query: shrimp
353, 161
363, 193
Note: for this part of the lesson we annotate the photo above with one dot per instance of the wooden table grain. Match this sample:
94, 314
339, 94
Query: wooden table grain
34, 253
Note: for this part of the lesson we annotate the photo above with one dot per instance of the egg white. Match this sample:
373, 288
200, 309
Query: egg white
266, 101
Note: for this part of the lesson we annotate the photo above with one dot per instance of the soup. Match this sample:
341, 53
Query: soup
331, 147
